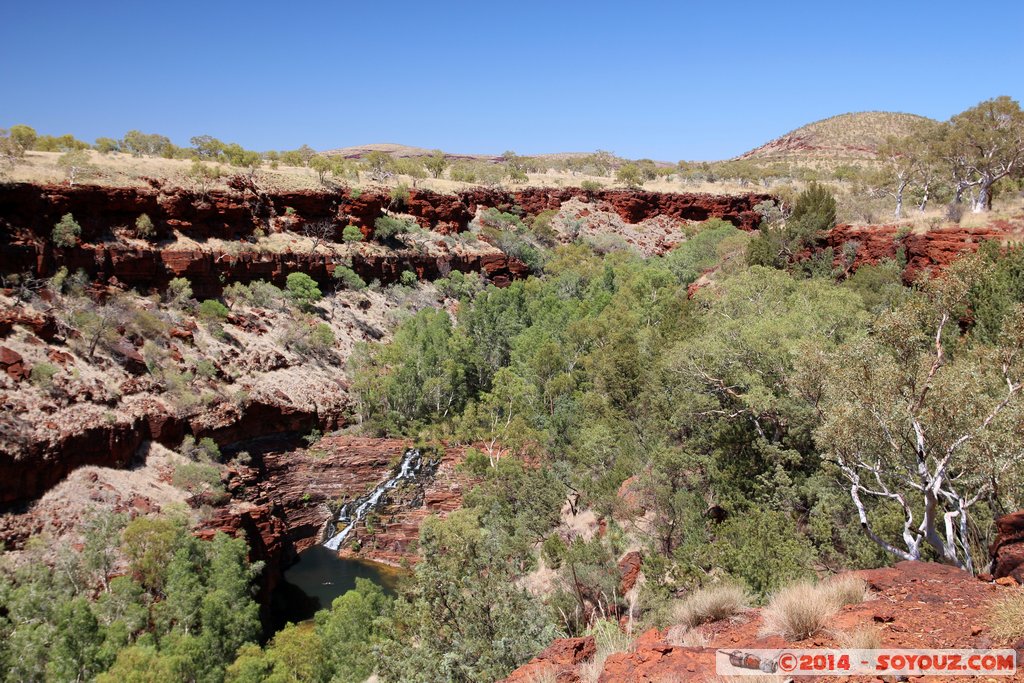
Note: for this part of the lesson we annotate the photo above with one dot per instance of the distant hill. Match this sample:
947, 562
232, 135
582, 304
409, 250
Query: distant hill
848, 138
398, 151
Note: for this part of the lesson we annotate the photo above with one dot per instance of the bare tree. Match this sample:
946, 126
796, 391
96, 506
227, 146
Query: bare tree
318, 231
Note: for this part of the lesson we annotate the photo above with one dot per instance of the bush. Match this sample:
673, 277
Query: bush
67, 231
408, 278
763, 549
711, 604
205, 450
42, 375
400, 197
591, 186
348, 278
179, 290
199, 479
1006, 616
389, 227
303, 290
144, 226
352, 233
211, 309
803, 609
321, 339
814, 212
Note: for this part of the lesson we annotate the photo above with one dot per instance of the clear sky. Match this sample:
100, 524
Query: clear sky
665, 80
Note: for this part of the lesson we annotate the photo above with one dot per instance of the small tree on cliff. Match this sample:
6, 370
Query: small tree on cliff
303, 290
922, 432
318, 231
66, 232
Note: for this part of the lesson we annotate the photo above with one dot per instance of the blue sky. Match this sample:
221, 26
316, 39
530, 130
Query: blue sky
665, 80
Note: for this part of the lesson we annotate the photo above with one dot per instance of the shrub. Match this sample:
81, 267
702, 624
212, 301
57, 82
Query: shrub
400, 197
303, 290
408, 278
865, 637
144, 226
264, 294
67, 231
389, 227
763, 549
541, 227
352, 233
591, 186
348, 278
211, 310
42, 375
205, 450
711, 604
206, 369
321, 339
803, 609
197, 478
179, 290
813, 213
1006, 616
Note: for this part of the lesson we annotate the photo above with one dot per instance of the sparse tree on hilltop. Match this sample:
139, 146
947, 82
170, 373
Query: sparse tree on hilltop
436, 163
75, 164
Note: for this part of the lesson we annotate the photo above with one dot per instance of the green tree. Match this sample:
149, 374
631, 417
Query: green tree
352, 233
630, 176
988, 141
922, 424
436, 163
66, 232
23, 136
322, 165
144, 226
105, 145
76, 164
303, 290
465, 619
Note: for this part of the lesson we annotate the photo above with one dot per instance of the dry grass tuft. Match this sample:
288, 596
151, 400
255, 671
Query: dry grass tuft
865, 637
545, 675
711, 604
1006, 616
805, 608
686, 637
609, 640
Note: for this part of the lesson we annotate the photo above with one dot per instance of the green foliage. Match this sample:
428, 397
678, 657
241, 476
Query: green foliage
408, 278
42, 375
144, 226
179, 291
763, 549
303, 290
348, 278
66, 232
465, 618
591, 186
213, 310
387, 228
814, 212
700, 252
352, 233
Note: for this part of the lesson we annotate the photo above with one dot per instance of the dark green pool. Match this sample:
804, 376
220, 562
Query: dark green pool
319, 577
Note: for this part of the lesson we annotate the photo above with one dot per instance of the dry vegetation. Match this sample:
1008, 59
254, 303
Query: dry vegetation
1007, 617
805, 608
711, 604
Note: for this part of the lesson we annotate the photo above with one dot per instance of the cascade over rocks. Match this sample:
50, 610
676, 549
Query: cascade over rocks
302, 489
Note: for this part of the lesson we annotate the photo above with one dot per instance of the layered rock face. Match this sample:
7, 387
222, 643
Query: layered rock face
929, 251
28, 213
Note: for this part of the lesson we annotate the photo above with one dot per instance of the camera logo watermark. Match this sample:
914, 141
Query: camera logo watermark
881, 662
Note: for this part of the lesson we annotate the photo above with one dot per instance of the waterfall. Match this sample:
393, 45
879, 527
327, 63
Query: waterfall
412, 462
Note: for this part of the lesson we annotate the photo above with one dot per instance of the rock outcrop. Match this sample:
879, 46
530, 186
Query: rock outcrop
1007, 551
912, 605
928, 251
559, 660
